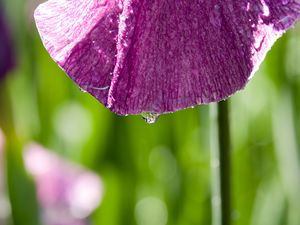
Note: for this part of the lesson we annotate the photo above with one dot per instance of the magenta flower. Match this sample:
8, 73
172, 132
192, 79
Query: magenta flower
6, 53
67, 193
160, 56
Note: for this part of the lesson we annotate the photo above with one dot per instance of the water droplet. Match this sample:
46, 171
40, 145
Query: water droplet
100, 88
150, 117
285, 2
83, 89
215, 16
284, 23
266, 10
259, 42
248, 6
102, 2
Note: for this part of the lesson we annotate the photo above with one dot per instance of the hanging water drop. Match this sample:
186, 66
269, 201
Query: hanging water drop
150, 117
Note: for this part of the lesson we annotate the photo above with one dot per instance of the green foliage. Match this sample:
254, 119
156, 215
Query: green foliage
20, 187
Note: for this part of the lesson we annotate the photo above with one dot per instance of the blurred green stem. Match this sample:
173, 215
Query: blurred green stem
220, 163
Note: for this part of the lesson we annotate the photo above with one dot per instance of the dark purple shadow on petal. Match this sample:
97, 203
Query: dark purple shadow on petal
7, 59
162, 56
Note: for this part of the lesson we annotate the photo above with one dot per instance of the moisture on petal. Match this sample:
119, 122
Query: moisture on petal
163, 55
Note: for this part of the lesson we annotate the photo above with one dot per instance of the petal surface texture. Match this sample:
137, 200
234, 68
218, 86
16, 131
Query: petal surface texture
160, 56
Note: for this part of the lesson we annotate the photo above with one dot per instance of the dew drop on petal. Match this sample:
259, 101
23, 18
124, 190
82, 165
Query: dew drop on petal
215, 16
150, 117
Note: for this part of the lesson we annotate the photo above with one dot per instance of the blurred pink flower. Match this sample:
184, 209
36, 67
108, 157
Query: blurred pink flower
68, 194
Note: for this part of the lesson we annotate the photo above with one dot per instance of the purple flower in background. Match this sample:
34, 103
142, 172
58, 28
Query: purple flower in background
160, 56
6, 53
67, 193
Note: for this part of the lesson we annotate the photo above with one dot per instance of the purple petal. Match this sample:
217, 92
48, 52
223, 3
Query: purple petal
81, 37
6, 53
161, 56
